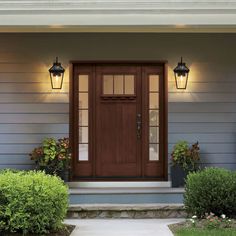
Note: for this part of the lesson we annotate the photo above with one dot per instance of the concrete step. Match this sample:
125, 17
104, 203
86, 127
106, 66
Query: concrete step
132, 195
129, 211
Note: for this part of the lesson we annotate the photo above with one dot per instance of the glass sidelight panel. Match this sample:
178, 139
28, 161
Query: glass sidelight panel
83, 117
83, 152
153, 117
153, 100
153, 83
154, 152
83, 100
83, 83
83, 135
154, 134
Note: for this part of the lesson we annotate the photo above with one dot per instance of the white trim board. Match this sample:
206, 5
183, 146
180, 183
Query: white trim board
114, 184
117, 15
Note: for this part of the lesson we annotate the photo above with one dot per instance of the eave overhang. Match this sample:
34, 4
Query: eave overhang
117, 16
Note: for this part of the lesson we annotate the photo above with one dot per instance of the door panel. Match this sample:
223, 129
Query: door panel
117, 154
118, 122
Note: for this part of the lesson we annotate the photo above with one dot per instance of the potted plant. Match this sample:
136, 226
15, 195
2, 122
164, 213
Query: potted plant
184, 160
53, 157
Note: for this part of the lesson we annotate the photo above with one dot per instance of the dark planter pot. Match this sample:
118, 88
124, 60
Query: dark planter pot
178, 176
64, 175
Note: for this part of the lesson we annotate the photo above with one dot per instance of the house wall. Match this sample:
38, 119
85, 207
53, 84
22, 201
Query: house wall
30, 110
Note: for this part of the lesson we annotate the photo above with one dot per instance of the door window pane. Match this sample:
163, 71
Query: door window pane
154, 152
153, 83
107, 84
118, 84
83, 83
83, 152
129, 84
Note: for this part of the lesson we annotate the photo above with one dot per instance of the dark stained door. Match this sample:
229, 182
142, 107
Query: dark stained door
118, 105
118, 121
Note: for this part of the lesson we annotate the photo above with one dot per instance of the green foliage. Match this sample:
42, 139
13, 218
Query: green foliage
53, 156
31, 202
211, 190
187, 158
205, 232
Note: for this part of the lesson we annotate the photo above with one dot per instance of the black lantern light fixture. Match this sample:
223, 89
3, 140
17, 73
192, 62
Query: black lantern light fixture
56, 75
181, 75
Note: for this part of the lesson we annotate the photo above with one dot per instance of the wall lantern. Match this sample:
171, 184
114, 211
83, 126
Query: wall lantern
56, 75
181, 75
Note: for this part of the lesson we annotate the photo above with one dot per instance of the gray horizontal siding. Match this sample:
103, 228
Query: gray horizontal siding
205, 138
208, 117
206, 107
62, 108
11, 159
28, 87
202, 97
17, 148
200, 127
205, 112
207, 87
38, 128
17, 166
27, 138
34, 118
217, 148
34, 98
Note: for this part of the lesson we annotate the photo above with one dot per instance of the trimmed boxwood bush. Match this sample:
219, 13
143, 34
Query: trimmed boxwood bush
31, 202
211, 190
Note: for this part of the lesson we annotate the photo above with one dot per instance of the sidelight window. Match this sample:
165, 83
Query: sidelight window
153, 117
83, 117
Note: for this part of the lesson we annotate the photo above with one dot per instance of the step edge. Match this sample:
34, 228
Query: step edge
125, 207
125, 191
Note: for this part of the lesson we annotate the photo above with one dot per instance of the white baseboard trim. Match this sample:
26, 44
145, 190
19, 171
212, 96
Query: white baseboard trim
153, 184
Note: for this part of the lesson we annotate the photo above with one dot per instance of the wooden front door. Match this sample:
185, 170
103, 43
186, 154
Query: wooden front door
118, 121
118, 105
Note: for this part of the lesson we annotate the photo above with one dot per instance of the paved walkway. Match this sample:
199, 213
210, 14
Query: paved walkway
123, 227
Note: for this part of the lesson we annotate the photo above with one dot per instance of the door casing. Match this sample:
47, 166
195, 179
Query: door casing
164, 116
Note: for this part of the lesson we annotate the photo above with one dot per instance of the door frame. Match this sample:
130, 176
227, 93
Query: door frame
72, 65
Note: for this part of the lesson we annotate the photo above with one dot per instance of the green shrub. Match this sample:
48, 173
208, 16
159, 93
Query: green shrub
31, 202
211, 190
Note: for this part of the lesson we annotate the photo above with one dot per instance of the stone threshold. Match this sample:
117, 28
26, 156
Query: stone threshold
128, 211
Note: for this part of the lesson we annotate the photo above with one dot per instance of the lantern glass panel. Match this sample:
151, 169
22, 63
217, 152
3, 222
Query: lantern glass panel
181, 81
56, 80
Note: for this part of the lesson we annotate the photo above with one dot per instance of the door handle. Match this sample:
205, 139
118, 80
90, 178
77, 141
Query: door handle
139, 125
